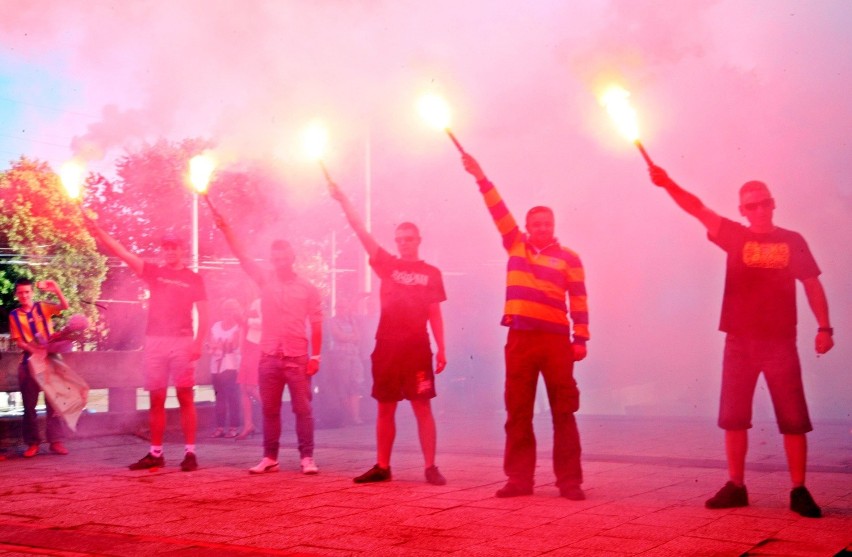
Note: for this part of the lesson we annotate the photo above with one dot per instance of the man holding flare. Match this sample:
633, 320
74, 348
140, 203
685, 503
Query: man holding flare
759, 319
411, 295
540, 274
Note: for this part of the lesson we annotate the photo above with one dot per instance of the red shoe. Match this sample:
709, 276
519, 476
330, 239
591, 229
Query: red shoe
31, 451
58, 448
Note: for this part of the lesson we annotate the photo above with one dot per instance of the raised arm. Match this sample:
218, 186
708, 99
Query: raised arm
819, 305
503, 219
686, 201
354, 219
53, 287
115, 247
249, 265
436, 322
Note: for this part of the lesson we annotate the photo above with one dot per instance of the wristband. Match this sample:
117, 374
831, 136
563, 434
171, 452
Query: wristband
316, 357
829, 330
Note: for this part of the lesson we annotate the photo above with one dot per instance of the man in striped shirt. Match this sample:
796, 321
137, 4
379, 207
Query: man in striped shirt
27, 324
540, 274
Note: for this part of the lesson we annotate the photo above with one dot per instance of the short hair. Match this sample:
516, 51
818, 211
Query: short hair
409, 226
753, 185
23, 282
281, 244
231, 303
539, 209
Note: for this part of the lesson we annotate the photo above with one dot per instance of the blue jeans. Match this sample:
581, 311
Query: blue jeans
29, 396
529, 353
227, 398
274, 373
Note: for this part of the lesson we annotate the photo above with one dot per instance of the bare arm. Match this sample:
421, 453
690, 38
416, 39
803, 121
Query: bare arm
52, 286
250, 266
115, 247
686, 201
354, 219
436, 322
203, 308
819, 305
316, 343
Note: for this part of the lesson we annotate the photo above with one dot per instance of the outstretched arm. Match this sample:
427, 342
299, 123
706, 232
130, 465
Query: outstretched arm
819, 305
354, 219
686, 201
436, 322
250, 266
504, 220
115, 247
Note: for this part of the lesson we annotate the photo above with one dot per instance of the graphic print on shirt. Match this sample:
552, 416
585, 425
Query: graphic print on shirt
766, 255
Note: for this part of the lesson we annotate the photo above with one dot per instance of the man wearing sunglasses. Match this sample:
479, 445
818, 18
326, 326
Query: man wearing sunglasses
411, 294
759, 319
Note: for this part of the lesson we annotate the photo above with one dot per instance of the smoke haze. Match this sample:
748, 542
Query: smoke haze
726, 92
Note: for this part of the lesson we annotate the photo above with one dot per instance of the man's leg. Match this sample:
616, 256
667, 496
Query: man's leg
521, 378
271, 384
29, 397
188, 416
564, 399
385, 433
736, 447
300, 395
425, 429
157, 415
796, 447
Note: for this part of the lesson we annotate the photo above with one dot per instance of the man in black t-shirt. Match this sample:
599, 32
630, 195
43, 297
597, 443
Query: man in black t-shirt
759, 318
411, 293
171, 346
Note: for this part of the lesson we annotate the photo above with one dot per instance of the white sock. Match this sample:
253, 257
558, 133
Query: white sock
156, 450
190, 448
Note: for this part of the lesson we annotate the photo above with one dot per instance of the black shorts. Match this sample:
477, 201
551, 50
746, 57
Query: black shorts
402, 369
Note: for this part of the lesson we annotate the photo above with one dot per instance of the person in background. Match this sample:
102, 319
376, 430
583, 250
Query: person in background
541, 274
172, 346
224, 346
411, 294
764, 262
249, 361
30, 321
345, 350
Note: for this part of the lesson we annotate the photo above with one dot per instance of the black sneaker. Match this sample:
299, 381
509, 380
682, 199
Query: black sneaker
802, 503
434, 476
513, 490
149, 461
731, 495
374, 474
189, 463
572, 492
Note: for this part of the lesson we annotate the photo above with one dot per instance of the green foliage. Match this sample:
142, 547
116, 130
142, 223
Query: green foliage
43, 235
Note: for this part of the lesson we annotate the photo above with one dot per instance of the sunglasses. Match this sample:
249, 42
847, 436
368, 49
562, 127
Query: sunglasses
765, 204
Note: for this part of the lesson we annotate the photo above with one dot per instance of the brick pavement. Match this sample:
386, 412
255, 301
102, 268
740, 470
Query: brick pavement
646, 480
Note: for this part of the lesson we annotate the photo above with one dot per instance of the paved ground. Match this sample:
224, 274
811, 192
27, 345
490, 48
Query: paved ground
646, 481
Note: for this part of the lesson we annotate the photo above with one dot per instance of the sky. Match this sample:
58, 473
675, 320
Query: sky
726, 91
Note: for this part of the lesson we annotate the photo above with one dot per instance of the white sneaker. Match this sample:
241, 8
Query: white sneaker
265, 466
309, 466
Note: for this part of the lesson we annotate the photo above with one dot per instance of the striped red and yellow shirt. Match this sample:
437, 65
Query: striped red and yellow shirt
538, 281
25, 325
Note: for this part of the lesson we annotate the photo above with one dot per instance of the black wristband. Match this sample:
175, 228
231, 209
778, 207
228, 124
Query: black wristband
829, 330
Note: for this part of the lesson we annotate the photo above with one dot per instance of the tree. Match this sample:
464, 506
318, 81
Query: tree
43, 236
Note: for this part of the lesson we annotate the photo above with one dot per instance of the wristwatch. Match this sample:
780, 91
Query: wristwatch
829, 330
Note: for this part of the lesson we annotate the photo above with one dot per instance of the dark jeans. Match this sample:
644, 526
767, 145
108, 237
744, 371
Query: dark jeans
227, 398
29, 395
273, 374
527, 354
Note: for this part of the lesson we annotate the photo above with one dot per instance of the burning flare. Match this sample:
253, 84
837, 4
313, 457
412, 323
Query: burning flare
73, 174
434, 111
315, 139
200, 171
615, 100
